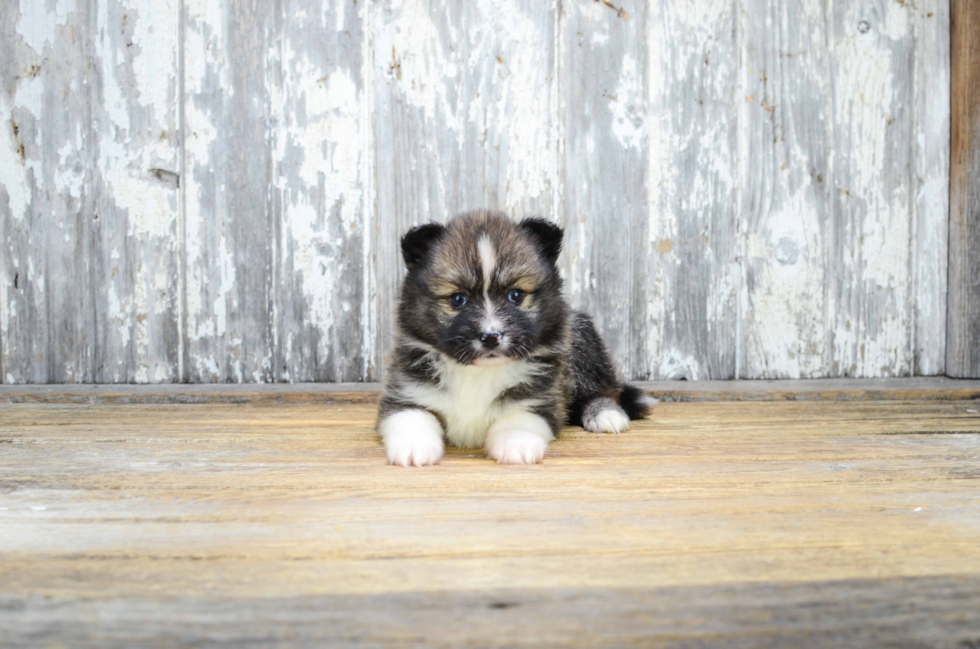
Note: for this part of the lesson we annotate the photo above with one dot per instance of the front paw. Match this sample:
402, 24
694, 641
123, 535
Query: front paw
412, 438
517, 447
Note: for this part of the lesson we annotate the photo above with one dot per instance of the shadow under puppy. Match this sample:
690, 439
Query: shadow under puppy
488, 353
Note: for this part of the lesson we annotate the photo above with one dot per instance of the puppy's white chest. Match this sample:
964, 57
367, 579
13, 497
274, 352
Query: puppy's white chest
467, 398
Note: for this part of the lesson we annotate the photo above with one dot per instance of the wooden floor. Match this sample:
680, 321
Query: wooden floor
713, 524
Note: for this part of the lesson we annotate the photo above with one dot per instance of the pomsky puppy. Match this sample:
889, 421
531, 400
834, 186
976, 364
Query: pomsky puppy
488, 353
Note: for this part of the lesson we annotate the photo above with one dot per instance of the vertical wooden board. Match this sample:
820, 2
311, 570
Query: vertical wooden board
686, 263
465, 118
872, 195
963, 309
87, 107
785, 126
135, 259
322, 157
230, 212
930, 236
47, 230
604, 113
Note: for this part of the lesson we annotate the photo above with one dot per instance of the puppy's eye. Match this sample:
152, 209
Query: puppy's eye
457, 300
515, 295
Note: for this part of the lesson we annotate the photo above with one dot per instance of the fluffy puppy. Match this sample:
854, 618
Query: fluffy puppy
488, 353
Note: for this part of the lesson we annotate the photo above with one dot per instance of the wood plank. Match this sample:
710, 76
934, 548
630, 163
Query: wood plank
785, 148
604, 161
136, 208
722, 523
623, 121
686, 264
320, 136
963, 315
871, 192
930, 235
89, 176
231, 214
919, 612
901, 389
465, 118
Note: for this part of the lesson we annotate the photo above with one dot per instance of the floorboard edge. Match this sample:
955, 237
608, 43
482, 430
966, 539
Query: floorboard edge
899, 389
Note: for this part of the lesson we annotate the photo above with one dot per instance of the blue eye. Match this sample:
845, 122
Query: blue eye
457, 300
515, 295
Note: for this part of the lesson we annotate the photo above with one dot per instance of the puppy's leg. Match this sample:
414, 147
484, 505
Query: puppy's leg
519, 437
600, 402
412, 437
603, 415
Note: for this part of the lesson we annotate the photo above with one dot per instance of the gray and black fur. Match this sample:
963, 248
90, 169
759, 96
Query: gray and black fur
520, 315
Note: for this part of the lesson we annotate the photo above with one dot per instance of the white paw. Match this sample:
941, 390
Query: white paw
412, 438
611, 420
517, 447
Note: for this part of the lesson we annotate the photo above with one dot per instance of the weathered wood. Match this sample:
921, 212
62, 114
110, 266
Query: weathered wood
465, 118
750, 188
729, 524
88, 192
603, 150
320, 134
231, 211
963, 315
872, 191
867, 613
786, 121
930, 234
900, 389
686, 271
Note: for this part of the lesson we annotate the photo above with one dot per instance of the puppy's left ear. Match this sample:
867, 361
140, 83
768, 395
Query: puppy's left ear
546, 235
418, 241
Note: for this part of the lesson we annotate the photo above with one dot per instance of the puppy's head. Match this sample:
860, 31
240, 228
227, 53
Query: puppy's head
483, 289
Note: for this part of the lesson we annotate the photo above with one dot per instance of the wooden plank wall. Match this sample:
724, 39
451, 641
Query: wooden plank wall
750, 188
963, 350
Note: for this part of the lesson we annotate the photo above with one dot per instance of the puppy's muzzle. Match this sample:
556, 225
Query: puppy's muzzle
490, 339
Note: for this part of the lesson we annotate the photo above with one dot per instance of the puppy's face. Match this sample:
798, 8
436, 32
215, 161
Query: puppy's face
482, 289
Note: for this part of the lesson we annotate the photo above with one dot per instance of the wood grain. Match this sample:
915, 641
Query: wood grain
230, 211
604, 154
686, 271
213, 190
902, 389
930, 235
963, 315
720, 523
323, 166
904, 612
871, 193
786, 122
88, 192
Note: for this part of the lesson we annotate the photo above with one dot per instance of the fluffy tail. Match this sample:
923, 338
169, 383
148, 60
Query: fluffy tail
634, 402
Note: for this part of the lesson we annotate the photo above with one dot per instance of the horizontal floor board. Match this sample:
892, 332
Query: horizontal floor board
912, 388
724, 523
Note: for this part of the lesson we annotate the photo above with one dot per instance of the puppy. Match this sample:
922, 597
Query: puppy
488, 353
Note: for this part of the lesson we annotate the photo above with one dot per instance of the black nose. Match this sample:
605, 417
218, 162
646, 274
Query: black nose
490, 339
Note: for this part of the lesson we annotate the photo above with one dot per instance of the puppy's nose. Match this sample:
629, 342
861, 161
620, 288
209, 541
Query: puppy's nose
490, 339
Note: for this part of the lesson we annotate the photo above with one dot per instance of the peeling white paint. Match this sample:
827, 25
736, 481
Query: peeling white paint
477, 108
38, 26
628, 106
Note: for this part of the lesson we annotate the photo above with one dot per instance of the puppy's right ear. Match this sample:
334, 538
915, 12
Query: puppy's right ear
418, 242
